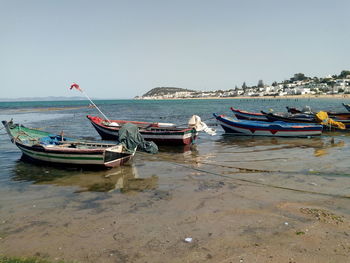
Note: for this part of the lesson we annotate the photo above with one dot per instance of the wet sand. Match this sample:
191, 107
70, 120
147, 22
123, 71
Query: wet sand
237, 203
240, 199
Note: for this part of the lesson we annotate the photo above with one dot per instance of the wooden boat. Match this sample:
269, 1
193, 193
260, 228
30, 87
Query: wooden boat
160, 133
246, 115
293, 110
295, 118
260, 128
341, 116
55, 149
331, 114
347, 106
303, 118
305, 110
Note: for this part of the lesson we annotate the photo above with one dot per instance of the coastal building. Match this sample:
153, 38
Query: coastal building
294, 86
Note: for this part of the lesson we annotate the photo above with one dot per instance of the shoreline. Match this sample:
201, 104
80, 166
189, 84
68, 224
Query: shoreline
236, 198
337, 96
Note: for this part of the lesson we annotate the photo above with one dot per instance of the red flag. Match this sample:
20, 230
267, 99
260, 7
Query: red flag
75, 85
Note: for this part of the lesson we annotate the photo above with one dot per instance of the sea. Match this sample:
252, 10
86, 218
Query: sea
316, 165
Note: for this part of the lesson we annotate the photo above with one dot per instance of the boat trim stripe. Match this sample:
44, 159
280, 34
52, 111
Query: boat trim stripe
60, 157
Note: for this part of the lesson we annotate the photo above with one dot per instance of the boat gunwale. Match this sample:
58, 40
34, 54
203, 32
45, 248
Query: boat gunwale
291, 127
143, 130
73, 156
246, 112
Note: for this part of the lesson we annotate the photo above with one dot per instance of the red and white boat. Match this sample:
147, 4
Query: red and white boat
160, 133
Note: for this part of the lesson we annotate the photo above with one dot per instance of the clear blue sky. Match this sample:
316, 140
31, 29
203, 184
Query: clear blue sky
121, 49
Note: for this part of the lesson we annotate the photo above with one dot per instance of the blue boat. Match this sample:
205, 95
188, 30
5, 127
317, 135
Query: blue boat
261, 128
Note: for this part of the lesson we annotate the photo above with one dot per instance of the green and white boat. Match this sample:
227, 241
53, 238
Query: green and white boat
42, 146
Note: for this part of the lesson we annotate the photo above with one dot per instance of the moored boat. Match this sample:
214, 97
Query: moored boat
160, 133
246, 115
307, 110
306, 118
296, 118
45, 147
260, 128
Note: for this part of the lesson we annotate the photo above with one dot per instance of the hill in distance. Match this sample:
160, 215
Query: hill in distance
160, 91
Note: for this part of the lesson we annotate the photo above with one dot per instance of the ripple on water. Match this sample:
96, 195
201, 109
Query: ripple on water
317, 164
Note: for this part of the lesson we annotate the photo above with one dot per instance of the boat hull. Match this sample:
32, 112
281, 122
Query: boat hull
245, 115
160, 136
311, 119
278, 129
44, 147
303, 119
334, 115
73, 158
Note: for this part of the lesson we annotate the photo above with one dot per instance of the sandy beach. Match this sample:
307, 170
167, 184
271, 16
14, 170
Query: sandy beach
231, 215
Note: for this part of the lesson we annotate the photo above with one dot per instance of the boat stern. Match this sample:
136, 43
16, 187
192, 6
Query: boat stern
115, 156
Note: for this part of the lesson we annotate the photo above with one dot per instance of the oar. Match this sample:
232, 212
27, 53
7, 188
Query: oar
76, 86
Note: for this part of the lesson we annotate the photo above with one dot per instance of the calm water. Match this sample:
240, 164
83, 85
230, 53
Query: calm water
317, 165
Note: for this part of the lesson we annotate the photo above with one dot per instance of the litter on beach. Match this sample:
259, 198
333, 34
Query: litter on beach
188, 239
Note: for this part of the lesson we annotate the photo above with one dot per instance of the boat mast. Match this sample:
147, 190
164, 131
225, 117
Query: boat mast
74, 85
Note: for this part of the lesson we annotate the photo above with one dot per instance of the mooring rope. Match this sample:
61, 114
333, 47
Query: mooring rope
240, 168
260, 183
251, 181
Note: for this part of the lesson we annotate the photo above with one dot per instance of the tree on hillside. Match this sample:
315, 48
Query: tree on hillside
274, 84
244, 86
260, 83
298, 77
344, 74
331, 83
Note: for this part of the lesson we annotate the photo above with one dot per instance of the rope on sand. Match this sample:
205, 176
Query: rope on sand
241, 169
260, 183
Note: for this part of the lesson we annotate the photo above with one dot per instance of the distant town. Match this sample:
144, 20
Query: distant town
299, 84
